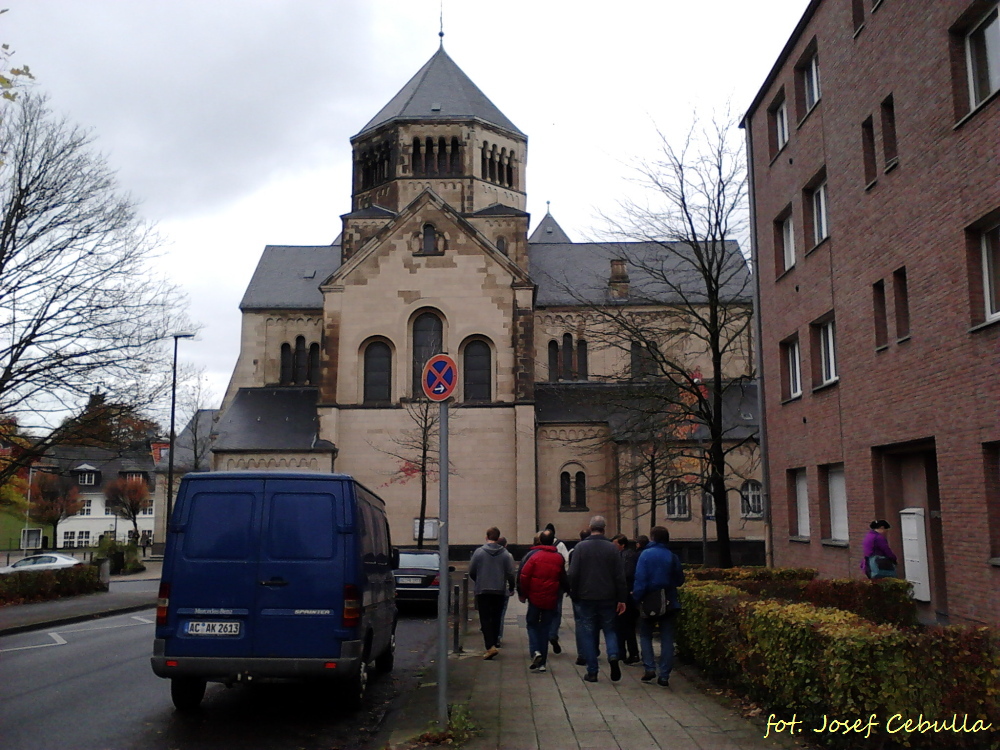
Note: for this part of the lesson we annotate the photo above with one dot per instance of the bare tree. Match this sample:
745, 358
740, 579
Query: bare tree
54, 500
78, 304
679, 300
194, 444
128, 498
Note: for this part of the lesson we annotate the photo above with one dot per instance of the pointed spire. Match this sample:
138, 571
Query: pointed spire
548, 231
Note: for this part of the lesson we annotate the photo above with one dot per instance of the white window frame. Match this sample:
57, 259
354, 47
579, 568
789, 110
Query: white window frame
794, 369
984, 39
752, 499
86, 509
86, 478
836, 486
83, 539
990, 241
781, 124
676, 502
69, 539
708, 504
821, 219
828, 352
788, 242
147, 511
130, 475
802, 503
811, 87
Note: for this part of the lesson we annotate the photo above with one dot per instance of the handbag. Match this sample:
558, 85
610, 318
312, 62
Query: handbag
654, 603
881, 567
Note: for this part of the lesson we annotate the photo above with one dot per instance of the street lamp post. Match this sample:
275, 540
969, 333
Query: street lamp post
173, 409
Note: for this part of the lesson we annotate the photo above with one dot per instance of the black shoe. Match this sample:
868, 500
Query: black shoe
630, 660
590, 677
616, 671
581, 662
556, 648
663, 682
648, 676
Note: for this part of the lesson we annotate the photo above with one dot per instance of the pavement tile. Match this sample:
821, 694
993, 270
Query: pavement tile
602, 740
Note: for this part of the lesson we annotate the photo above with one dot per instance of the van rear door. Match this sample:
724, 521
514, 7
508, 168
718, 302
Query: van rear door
213, 571
301, 574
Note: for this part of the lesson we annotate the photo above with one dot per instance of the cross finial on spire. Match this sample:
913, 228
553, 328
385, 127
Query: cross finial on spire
548, 205
441, 32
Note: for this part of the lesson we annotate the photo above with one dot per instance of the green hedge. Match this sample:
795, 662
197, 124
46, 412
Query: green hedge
887, 602
750, 574
42, 585
815, 664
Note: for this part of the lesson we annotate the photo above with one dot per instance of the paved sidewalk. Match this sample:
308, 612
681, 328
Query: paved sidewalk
517, 709
19, 618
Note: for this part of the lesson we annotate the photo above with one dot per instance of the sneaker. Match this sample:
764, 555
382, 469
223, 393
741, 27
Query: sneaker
556, 648
616, 671
581, 662
541, 668
663, 682
590, 677
648, 677
537, 661
491, 653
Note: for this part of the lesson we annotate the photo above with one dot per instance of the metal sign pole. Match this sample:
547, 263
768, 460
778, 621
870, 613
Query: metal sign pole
444, 579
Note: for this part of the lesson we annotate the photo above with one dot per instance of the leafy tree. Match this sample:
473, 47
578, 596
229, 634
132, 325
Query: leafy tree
78, 304
13, 444
53, 500
117, 427
128, 498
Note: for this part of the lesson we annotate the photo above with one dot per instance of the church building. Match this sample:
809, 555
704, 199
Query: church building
435, 257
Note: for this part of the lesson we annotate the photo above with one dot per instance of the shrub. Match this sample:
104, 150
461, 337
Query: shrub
751, 574
888, 602
706, 631
43, 585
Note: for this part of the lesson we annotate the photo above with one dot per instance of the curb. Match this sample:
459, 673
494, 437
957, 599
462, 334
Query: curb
57, 622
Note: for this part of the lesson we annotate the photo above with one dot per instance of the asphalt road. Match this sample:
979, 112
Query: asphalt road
89, 686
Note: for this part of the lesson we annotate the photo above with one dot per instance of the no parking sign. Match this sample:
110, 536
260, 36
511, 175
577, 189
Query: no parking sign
440, 377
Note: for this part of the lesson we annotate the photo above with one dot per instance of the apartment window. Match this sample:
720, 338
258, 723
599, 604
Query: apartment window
868, 151
889, 150
821, 226
836, 490
83, 539
983, 57
778, 124
784, 240
792, 369
131, 476
86, 478
708, 504
799, 491
901, 298
86, 509
147, 511
477, 372
378, 372
751, 500
677, 500
824, 341
69, 539
809, 83
991, 459
991, 272
878, 303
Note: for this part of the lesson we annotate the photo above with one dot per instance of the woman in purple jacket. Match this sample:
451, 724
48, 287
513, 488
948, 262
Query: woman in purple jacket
875, 544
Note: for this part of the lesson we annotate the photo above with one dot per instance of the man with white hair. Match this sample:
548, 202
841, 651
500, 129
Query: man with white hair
598, 590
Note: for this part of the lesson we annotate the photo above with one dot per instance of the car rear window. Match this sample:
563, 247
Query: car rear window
409, 560
219, 526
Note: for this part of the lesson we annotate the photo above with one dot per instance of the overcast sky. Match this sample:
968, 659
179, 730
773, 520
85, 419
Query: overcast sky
229, 120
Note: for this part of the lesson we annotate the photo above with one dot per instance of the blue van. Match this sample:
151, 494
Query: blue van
275, 575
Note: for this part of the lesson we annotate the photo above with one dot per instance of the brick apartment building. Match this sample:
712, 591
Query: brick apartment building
874, 146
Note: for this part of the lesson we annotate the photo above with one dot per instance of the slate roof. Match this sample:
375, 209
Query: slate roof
498, 209
569, 273
369, 212
271, 419
184, 444
288, 277
70, 458
440, 90
547, 231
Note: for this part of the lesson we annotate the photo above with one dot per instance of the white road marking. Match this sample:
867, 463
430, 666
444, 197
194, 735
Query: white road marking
58, 641
142, 619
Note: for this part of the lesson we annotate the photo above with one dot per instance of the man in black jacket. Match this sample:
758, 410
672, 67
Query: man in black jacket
598, 589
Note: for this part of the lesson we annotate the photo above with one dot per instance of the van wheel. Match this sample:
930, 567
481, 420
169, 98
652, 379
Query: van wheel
385, 660
354, 690
187, 692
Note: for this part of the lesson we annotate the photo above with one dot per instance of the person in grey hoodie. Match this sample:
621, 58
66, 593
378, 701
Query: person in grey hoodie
492, 570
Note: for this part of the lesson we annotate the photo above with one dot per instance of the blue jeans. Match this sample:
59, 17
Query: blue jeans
539, 621
557, 618
592, 617
667, 623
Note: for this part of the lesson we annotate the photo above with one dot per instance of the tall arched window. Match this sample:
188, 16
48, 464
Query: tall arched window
751, 499
477, 368
314, 364
428, 244
418, 159
378, 372
677, 500
580, 482
286, 364
427, 341
567, 357
565, 491
442, 154
581, 359
301, 364
484, 162
553, 361
456, 156
502, 245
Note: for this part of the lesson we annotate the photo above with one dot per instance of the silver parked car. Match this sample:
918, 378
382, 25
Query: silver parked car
47, 561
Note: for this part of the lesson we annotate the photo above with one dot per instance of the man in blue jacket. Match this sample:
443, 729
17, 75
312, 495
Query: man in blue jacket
658, 568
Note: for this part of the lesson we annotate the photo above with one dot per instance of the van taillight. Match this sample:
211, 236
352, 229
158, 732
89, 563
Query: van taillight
352, 606
162, 602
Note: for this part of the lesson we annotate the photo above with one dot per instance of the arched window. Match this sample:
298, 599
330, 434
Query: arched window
286, 364
553, 361
502, 245
442, 154
581, 359
418, 159
477, 368
429, 157
581, 490
378, 372
427, 341
502, 166
565, 490
751, 499
484, 166
314, 364
456, 157
493, 165
301, 365
677, 500
567, 357
510, 171
708, 504
428, 244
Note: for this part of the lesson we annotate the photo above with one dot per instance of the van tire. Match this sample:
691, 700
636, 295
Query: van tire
354, 690
187, 692
385, 661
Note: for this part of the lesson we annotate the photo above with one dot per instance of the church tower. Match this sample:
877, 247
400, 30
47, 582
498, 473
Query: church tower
440, 133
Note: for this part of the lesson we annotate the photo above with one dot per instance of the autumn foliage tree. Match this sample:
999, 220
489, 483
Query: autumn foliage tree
53, 500
127, 498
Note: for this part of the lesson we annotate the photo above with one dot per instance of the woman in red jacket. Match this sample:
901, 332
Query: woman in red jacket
542, 573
